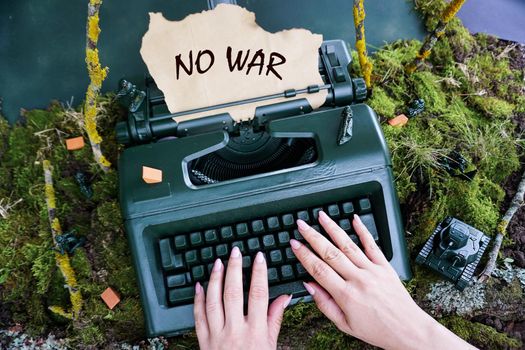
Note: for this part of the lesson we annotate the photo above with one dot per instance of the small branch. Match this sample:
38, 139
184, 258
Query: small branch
360, 42
431, 39
97, 74
62, 260
515, 205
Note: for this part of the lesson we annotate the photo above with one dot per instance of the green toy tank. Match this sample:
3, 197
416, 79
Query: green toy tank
454, 250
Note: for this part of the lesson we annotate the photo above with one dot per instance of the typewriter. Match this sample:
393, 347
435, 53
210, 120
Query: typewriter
229, 184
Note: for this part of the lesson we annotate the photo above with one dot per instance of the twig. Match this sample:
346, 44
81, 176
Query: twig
62, 260
97, 74
360, 42
431, 39
515, 205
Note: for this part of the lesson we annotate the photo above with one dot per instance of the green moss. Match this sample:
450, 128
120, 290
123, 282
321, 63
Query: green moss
106, 187
442, 54
490, 73
382, 104
43, 261
108, 215
389, 67
494, 149
329, 337
416, 149
476, 203
299, 314
480, 334
4, 133
427, 86
431, 10
461, 41
82, 266
492, 106
519, 101
504, 293
90, 334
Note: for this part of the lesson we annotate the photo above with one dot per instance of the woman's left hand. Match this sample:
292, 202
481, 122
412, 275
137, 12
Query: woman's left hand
219, 318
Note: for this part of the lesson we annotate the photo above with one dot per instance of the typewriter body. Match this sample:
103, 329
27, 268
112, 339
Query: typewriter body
245, 184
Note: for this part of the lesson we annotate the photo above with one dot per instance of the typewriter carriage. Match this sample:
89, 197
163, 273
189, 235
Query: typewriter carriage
250, 150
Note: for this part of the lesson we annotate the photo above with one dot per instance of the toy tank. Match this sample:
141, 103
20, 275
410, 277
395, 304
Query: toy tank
454, 250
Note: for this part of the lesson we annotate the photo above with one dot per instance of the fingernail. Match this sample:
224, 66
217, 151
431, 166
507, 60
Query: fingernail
259, 258
236, 253
309, 288
322, 215
287, 302
302, 225
357, 219
217, 266
295, 244
198, 288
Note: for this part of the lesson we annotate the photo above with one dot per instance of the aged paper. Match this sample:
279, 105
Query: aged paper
196, 62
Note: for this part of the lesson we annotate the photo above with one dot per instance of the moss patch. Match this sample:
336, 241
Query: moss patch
479, 334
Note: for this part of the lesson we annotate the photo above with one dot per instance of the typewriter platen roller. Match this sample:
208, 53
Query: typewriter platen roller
287, 160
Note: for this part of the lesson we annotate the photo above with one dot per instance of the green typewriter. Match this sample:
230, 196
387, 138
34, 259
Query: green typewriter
229, 184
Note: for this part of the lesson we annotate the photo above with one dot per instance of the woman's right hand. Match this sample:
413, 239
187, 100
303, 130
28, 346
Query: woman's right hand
361, 293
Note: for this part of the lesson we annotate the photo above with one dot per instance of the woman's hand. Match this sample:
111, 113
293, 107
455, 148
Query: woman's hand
362, 294
219, 319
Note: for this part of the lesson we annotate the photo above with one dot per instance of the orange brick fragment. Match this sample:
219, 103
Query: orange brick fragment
110, 297
75, 143
151, 175
400, 120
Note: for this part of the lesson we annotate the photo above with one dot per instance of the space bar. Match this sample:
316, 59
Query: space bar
296, 288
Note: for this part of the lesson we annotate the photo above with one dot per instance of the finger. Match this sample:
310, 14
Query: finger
258, 295
327, 305
233, 298
343, 242
199, 312
371, 249
318, 269
275, 316
327, 251
214, 307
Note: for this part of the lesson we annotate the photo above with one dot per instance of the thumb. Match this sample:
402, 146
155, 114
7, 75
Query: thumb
275, 315
328, 306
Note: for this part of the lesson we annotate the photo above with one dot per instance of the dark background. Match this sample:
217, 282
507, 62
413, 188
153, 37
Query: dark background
42, 42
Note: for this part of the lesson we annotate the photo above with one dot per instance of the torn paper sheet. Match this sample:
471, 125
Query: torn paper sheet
222, 55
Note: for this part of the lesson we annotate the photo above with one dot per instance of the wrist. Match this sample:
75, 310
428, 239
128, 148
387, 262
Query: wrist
427, 333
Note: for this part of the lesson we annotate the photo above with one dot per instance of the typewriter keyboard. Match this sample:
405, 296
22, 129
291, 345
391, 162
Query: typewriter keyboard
188, 258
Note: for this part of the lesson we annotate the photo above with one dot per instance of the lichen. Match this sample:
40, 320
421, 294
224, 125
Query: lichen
360, 43
445, 297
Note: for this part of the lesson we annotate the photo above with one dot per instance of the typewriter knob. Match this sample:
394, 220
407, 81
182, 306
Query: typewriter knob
122, 132
360, 91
